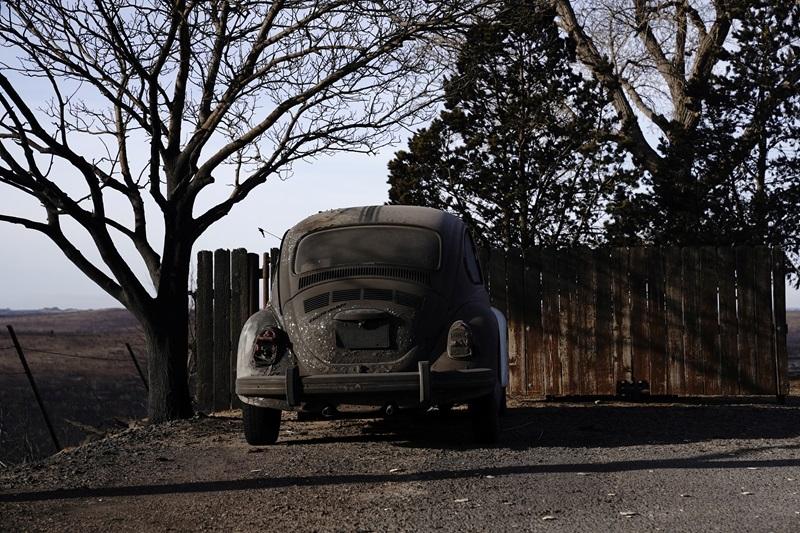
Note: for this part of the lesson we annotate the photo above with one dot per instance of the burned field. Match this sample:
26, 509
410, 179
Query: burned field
84, 373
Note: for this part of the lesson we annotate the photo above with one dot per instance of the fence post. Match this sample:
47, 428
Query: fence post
204, 324
265, 278
274, 254
240, 304
222, 330
138, 368
779, 301
33, 387
253, 274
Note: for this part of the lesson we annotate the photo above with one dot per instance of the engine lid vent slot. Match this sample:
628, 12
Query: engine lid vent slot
378, 294
346, 295
316, 302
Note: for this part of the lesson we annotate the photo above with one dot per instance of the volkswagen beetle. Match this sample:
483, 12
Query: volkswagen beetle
383, 306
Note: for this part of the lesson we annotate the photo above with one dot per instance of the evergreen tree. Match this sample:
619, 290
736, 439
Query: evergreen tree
517, 151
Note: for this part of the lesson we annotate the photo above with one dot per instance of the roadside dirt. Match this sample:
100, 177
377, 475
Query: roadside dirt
558, 467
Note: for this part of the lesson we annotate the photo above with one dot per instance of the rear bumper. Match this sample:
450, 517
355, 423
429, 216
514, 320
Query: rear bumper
422, 386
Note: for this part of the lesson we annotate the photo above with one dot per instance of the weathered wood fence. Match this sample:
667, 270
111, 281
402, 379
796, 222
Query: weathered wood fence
699, 321
230, 287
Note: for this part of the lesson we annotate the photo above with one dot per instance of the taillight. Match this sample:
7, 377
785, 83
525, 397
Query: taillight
459, 341
268, 346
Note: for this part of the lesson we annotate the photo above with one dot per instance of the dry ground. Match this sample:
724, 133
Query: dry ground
86, 378
558, 467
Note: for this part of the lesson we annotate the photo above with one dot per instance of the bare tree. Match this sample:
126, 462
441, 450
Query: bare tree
214, 91
704, 90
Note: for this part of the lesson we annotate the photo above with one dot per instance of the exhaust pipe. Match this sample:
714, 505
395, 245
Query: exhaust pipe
329, 411
390, 409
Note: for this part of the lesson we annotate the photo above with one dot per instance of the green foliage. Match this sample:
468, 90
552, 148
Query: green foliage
518, 152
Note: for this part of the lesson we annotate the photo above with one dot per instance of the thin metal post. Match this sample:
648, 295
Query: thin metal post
138, 368
33, 387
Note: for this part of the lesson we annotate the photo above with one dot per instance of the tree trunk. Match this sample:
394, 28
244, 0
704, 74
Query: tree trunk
168, 352
167, 334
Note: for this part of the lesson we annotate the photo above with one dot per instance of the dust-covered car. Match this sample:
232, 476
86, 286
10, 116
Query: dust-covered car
383, 306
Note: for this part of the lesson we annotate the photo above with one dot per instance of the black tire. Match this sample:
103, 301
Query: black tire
261, 424
485, 415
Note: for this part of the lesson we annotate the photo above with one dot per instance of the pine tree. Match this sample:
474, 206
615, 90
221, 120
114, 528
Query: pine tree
517, 151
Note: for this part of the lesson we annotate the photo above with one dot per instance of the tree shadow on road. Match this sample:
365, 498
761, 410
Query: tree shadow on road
716, 461
586, 425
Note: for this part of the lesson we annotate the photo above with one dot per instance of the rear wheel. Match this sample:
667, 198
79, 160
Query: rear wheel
261, 424
485, 414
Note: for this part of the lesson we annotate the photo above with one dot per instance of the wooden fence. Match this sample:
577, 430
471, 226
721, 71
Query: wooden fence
230, 287
700, 321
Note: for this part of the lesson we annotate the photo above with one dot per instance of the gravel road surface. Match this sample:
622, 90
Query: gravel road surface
565, 467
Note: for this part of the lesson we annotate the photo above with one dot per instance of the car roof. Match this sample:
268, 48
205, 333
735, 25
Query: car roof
406, 215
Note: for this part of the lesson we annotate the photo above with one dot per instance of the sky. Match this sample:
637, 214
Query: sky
34, 273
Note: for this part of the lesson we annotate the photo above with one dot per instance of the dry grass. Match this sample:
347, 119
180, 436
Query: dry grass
83, 371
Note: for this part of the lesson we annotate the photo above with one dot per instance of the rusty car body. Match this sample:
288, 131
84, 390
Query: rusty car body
382, 306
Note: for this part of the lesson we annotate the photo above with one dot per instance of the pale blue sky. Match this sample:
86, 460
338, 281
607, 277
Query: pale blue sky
34, 274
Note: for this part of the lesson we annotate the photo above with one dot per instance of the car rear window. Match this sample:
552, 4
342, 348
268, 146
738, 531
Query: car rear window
368, 245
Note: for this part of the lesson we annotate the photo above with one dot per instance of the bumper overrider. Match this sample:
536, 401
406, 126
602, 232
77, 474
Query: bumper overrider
423, 386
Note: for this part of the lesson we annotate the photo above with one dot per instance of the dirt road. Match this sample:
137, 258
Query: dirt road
558, 468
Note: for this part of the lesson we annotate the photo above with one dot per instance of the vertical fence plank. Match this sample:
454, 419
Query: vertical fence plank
567, 352
765, 330
657, 327
274, 257
551, 323
253, 275
779, 301
586, 319
745, 289
240, 305
693, 351
709, 321
204, 332
604, 323
265, 276
222, 330
640, 338
729, 352
620, 258
515, 294
535, 358
673, 270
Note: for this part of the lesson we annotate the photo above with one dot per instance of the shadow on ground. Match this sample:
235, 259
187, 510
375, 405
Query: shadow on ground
584, 425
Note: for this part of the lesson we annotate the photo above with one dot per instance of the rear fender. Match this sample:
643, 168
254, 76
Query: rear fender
502, 335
